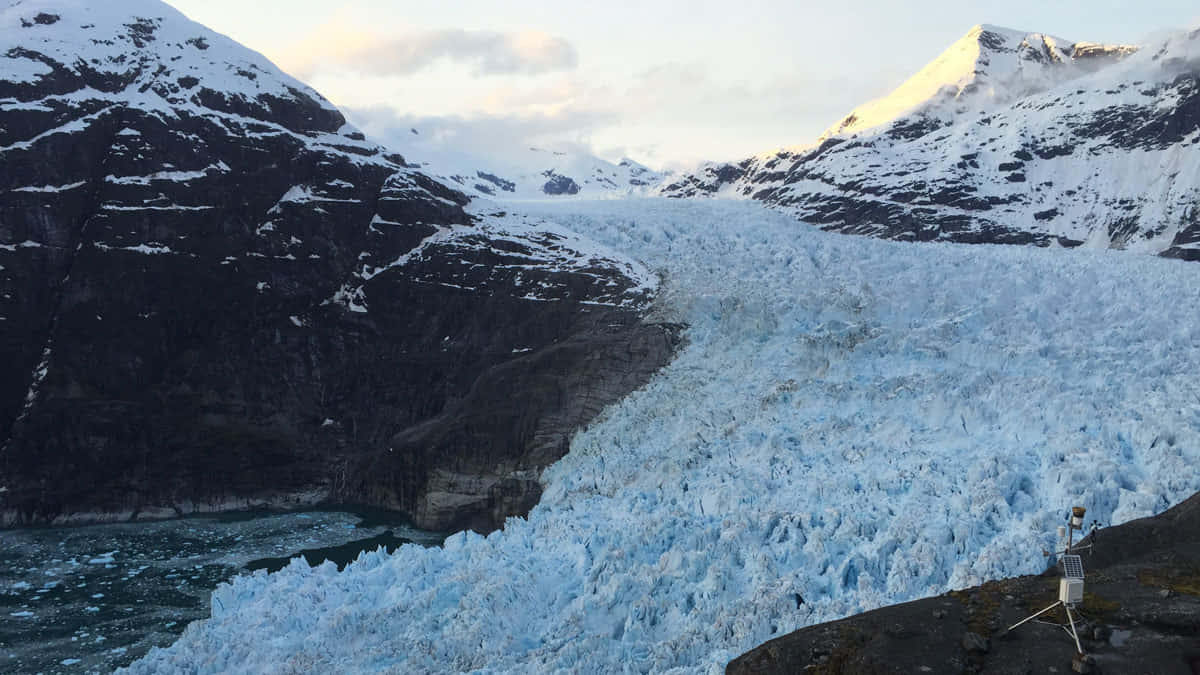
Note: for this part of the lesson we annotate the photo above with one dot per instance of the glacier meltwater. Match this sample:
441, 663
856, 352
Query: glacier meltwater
850, 423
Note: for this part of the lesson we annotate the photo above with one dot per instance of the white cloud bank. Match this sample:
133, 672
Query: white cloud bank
336, 47
496, 136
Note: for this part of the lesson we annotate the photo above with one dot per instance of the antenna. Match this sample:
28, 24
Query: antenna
1070, 586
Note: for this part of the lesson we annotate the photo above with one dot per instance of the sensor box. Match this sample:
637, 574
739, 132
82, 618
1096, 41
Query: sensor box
1070, 591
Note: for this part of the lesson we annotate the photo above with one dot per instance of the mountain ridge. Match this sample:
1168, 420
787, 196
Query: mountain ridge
215, 293
989, 66
1103, 159
531, 173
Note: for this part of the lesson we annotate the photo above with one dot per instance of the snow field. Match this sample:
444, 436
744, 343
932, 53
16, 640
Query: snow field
851, 423
168, 32
153, 42
1004, 69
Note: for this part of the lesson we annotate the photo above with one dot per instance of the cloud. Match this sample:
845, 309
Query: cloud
667, 115
538, 96
337, 46
495, 136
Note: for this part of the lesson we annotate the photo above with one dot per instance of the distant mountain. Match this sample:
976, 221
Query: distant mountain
535, 173
988, 68
215, 293
1008, 137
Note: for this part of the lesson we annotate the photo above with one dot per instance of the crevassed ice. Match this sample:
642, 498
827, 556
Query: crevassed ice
851, 423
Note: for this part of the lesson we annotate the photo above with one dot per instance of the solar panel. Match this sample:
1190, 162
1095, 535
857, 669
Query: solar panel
1072, 566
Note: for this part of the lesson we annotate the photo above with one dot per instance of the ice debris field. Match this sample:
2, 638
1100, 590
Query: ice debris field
850, 423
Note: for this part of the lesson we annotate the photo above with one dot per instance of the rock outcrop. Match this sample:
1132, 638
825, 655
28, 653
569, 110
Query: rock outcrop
1140, 614
215, 293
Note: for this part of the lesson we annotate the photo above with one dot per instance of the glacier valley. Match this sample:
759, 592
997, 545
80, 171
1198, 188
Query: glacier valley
851, 423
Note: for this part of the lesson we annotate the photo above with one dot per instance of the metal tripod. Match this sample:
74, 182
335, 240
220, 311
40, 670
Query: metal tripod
1070, 619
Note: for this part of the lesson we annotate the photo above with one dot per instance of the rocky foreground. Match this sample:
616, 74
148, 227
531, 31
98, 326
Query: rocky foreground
1141, 614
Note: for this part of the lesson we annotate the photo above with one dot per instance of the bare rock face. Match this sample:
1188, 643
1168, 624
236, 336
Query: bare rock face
214, 293
1140, 614
560, 185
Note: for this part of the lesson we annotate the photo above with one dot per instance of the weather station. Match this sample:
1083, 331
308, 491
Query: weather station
1070, 586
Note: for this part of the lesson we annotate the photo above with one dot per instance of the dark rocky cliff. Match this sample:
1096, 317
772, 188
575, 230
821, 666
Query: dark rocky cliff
215, 294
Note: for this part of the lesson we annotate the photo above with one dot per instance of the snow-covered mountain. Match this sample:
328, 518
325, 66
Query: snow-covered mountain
532, 173
1008, 137
988, 68
214, 292
851, 423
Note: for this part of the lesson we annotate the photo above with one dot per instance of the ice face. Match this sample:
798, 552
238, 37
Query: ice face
852, 422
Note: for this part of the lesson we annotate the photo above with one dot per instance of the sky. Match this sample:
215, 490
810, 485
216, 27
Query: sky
666, 82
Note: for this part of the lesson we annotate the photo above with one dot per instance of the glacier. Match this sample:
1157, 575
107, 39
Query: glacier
851, 423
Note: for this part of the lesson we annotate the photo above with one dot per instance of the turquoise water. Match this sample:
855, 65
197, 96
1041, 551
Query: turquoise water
92, 599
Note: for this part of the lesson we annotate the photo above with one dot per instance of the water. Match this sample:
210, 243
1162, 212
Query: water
92, 599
